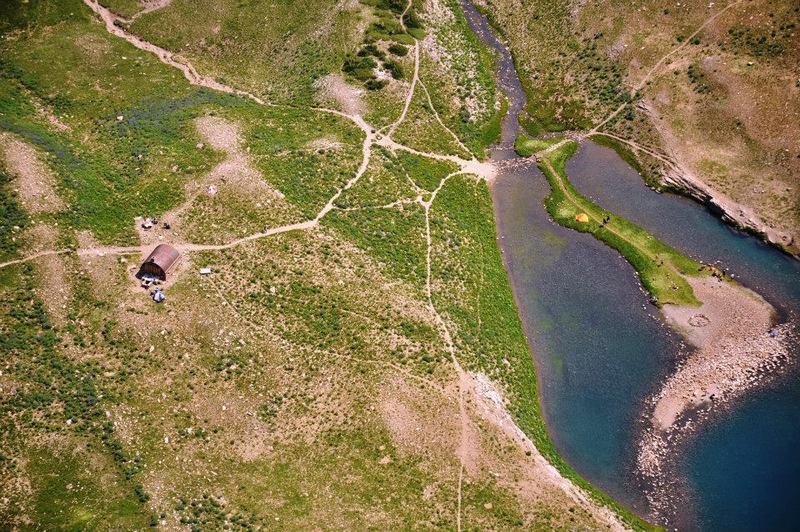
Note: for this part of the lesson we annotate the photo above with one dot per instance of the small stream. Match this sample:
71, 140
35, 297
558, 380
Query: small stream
601, 350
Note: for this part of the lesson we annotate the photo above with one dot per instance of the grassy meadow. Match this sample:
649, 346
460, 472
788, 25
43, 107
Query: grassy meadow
306, 378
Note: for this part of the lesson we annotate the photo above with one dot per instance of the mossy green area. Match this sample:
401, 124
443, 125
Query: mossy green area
469, 80
132, 144
16, 15
661, 268
568, 79
72, 493
427, 173
526, 146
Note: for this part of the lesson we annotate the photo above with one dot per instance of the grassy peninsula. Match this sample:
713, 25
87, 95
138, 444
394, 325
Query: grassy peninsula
661, 268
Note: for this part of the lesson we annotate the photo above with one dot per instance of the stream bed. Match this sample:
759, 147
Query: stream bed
601, 350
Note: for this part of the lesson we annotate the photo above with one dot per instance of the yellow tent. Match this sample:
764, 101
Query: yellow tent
582, 217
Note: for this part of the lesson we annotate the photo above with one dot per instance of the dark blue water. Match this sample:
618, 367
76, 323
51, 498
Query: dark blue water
743, 466
598, 347
600, 174
600, 351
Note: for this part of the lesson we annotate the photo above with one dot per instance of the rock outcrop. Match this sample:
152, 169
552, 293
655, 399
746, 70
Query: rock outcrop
684, 181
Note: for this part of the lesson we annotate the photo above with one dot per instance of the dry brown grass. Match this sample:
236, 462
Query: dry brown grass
54, 286
735, 124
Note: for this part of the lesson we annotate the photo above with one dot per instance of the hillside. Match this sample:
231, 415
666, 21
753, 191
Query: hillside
704, 97
339, 343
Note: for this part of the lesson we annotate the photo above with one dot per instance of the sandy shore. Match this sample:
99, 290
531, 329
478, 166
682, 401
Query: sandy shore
731, 332
733, 351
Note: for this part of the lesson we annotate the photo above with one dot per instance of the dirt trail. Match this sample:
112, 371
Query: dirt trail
392, 205
366, 150
480, 388
190, 73
637, 147
34, 257
484, 171
439, 119
639, 86
451, 349
472, 166
489, 404
403, 14
164, 56
410, 95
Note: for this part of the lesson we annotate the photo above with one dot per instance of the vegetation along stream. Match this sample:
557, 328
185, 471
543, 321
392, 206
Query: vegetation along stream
602, 350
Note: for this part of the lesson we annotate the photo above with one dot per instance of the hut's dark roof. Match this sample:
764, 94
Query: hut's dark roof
164, 256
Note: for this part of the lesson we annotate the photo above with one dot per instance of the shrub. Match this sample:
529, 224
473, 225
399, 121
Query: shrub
376, 84
359, 67
398, 49
371, 49
394, 68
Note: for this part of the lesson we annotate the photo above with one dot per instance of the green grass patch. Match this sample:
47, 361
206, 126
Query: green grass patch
526, 146
66, 398
385, 181
661, 268
107, 186
427, 173
132, 143
277, 50
18, 14
469, 74
279, 143
125, 8
393, 236
69, 493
